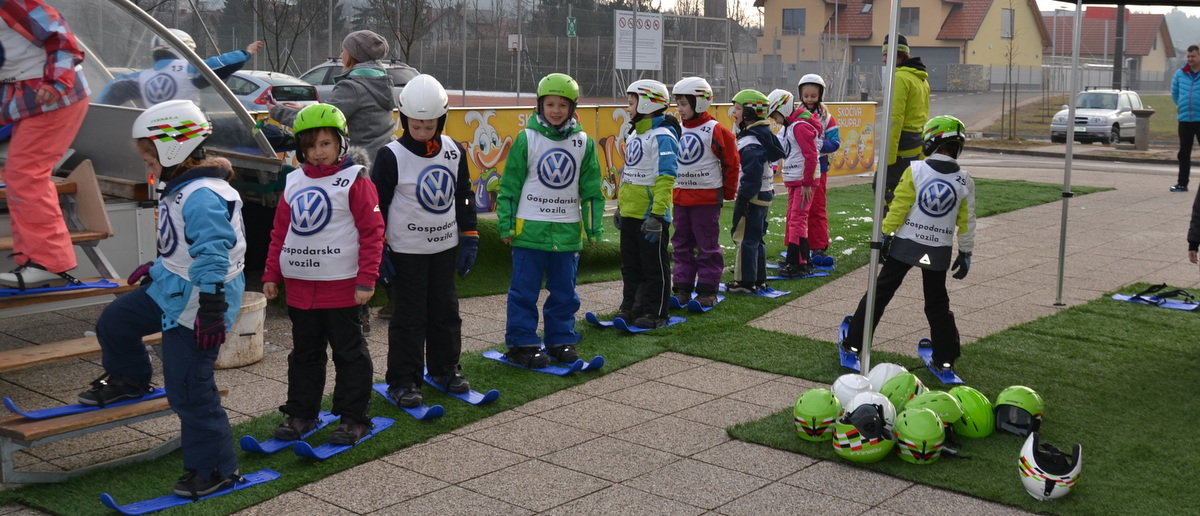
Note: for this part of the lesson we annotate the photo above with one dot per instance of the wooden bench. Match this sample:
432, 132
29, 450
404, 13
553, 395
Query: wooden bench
18, 433
21, 358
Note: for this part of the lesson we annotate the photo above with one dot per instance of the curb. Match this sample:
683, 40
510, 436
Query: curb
1048, 154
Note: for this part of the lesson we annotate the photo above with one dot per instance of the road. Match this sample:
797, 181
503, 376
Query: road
976, 110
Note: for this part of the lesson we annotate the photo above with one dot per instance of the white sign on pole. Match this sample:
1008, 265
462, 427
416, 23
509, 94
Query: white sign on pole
649, 40
514, 42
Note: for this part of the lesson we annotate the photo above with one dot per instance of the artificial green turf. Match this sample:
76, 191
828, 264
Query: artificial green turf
1117, 378
720, 334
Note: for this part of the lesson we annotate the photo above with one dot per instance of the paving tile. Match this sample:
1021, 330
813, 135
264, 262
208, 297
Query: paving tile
535, 485
99, 455
657, 367
453, 500
619, 500
490, 421
453, 460
674, 435
687, 358
87, 443
847, 482
531, 436
360, 489
659, 397
760, 461
599, 415
786, 500
608, 383
290, 502
930, 501
697, 483
610, 459
553, 402
724, 412
716, 379
775, 394
258, 397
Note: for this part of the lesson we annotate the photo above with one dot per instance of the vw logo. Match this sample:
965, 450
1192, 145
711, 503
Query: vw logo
167, 241
311, 211
160, 88
691, 149
633, 151
556, 169
937, 198
435, 189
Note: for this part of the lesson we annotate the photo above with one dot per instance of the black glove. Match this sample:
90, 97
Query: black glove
963, 261
885, 245
210, 320
652, 228
141, 273
617, 219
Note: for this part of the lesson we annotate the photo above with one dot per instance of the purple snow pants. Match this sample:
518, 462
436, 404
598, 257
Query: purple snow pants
697, 254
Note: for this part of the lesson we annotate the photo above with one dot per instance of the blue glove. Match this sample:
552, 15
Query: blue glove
962, 264
210, 320
652, 228
387, 270
142, 273
468, 252
885, 246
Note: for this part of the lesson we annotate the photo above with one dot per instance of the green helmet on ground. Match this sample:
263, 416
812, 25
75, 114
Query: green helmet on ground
919, 436
320, 115
946, 133
815, 412
754, 101
940, 402
978, 420
559, 84
901, 388
860, 436
1019, 410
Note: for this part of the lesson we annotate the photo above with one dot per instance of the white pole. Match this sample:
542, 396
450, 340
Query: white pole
634, 48
520, 45
463, 12
1066, 193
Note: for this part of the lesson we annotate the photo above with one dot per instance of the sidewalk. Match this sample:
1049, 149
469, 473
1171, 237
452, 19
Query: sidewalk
650, 438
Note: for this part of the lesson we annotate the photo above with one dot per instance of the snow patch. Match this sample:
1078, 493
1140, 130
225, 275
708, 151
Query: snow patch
849, 251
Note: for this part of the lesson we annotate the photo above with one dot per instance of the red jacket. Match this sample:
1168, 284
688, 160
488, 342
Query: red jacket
724, 146
310, 294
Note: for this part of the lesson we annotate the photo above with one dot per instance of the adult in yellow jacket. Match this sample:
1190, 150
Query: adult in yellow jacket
910, 111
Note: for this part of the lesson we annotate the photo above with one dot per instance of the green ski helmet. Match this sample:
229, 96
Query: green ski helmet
815, 413
1019, 410
944, 131
901, 388
977, 420
559, 84
753, 103
940, 402
919, 436
863, 435
317, 116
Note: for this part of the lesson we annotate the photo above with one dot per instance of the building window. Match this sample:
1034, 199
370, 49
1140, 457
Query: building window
910, 21
793, 21
1006, 23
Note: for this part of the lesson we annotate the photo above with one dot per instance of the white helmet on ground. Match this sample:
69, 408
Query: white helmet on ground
162, 44
816, 80
1047, 472
424, 98
886, 410
848, 385
881, 373
652, 96
176, 127
698, 88
781, 101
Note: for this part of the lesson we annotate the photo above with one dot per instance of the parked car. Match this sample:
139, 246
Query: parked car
322, 76
1104, 116
252, 88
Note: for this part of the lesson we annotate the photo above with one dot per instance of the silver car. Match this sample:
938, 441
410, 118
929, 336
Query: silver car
252, 88
322, 76
1104, 116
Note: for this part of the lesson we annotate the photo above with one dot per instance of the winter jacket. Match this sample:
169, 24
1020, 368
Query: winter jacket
724, 146
830, 139
384, 175
544, 235
641, 202
910, 109
803, 130
44, 43
364, 208
209, 235
1185, 91
906, 199
755, 156
364, 95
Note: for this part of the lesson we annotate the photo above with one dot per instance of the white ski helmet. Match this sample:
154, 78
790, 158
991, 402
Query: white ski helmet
886, 410
782, 101
881, 373
695, 87
424, 98
815, 79
176, 127
1047, 472
652, 96
162, 44
849, 385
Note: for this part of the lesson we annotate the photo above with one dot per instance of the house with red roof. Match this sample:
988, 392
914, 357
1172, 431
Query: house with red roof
1147, 44
958, 40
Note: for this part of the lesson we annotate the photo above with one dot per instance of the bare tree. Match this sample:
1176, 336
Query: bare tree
689, 7
405, 21
281, 24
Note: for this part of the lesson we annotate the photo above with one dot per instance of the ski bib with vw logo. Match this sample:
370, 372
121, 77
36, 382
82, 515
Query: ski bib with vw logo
767, 174
551, 191
322, 241
641, 157
793, 163
172, 243
699, 167
933, 219
169, 82
422, 219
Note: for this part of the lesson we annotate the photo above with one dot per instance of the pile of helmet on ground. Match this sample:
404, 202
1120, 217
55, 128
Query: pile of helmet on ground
866, 418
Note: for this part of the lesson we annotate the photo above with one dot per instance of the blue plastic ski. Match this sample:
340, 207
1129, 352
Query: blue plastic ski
813, 266
814, 274
591, 317
328, 450
77, 408
1154, 301
947, 376
584, 365
550, 369
166, 502
272, 445
620, 323
694, 306
422, 412
473, 397
78, 286
767, 292
848, 360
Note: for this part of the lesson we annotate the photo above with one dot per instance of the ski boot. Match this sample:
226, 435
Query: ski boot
563, 354
453, 383
293, 427
407, 395
530, 357
650, 321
